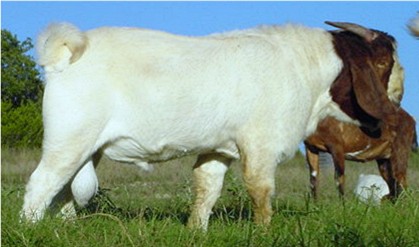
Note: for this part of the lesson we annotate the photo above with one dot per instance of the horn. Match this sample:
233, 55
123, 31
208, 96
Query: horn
359, 30
413, 26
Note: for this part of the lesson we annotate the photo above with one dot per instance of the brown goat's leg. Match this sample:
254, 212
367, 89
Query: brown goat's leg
340, 180
399, 169
399, 174
401, 148
339, 162
384, 166
399, 159
313, 165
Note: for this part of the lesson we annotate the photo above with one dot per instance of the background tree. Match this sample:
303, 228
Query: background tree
21, 94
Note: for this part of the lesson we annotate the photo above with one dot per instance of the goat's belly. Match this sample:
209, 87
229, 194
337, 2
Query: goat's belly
371, 152
129, 150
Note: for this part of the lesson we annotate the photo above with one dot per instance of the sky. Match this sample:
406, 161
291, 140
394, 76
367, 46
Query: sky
27, 19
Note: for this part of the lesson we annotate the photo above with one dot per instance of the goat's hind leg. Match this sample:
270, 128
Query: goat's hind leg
384, 166
85, 184
50, 179
81, 189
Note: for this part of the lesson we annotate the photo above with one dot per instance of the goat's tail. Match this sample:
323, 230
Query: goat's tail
60, 45
414, 26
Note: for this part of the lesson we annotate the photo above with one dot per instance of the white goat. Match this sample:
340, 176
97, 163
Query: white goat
142, 96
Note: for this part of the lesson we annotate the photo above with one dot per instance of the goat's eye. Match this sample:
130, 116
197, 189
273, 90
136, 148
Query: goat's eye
382, 65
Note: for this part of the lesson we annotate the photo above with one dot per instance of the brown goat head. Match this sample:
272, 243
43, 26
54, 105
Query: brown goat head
370, 68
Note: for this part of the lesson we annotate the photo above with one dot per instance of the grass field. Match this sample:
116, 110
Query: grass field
150, 209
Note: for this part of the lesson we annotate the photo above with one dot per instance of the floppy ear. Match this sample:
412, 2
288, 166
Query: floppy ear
371, 94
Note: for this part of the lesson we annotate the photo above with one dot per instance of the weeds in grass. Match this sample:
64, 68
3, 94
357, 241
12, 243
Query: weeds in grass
138, 209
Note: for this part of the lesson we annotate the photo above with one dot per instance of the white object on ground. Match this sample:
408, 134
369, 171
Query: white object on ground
371, 188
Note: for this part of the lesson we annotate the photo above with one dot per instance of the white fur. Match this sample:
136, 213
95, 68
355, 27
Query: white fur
85, 184
371, 188
144, 96
209, 182
59, 47
395, 88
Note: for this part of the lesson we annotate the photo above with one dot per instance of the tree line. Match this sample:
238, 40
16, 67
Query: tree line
21, 94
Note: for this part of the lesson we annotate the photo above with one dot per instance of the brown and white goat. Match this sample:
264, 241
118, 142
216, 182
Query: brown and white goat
335, 137
143, 96
390, 147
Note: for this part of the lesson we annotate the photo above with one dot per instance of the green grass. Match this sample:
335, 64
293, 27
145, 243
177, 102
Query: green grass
150, 209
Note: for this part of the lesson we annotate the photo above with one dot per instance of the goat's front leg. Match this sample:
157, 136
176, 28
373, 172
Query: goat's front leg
259, 177
340, 180
313, 165
339, 163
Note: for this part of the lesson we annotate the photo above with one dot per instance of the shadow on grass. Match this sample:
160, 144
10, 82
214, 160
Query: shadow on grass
242, 211
101, 203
